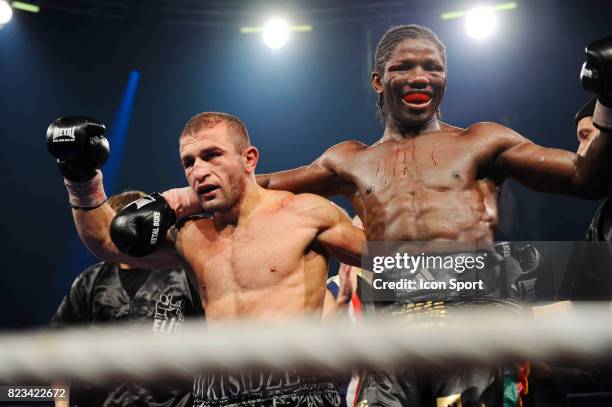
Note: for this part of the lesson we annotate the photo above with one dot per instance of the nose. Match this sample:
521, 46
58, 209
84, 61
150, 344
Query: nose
418, 80
200, 170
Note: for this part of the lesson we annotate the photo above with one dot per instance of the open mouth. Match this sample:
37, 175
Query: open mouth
207, 190
417, 99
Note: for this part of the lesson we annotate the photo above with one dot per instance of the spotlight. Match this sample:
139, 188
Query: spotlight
20, 5
6, 12
480, 22
276, 33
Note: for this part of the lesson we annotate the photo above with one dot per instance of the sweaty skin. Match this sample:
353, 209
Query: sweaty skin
263, 254
270, 265
428, 181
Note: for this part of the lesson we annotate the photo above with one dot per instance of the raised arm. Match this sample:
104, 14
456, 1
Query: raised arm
321, 177
80, 148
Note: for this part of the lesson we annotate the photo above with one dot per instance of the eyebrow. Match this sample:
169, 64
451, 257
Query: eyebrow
429, 57
203, 151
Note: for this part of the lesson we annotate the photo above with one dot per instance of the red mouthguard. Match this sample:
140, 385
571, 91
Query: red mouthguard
417, 98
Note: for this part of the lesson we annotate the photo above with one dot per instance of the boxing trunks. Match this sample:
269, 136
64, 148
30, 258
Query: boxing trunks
452, 386
265, 389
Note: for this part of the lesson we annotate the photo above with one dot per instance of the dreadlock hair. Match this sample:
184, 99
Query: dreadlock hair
387, 45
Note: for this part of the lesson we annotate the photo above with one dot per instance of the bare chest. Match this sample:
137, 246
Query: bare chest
422, 188
261, 253
436, 164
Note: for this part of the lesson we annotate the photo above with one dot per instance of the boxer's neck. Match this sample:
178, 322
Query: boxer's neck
248, 202
395, 131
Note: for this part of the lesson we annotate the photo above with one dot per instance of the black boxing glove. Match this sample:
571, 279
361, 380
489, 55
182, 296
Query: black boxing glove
596, 77
79, 145
526, 255
141, 226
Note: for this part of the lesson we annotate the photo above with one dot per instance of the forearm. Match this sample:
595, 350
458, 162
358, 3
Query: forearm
263, 180
92, 216
294, 180
344, 242
556, 171
80, 148
184, 201
93, 229
312, 179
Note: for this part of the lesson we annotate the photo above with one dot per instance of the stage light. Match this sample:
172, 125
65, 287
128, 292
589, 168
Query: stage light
294, 28
480, 22
450, 15
276, 33
6, 12
19, 5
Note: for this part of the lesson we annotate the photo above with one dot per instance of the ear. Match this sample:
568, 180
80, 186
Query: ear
377, 82
250, 156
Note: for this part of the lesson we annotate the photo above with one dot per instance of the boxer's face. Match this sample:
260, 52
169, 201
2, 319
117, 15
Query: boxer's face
585, 131
413, 82
214, 168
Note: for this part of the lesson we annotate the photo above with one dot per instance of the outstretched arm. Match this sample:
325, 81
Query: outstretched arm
561, 171
321, 177
549, 169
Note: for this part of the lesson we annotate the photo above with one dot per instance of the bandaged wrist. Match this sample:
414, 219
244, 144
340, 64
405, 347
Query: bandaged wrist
86, 195
183, 201
602, 117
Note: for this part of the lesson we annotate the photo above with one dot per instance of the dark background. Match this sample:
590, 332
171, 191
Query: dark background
75, 57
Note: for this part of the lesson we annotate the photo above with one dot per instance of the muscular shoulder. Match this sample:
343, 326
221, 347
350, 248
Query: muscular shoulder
346, 147
312, 208
340, 152
305, 202
494, 131
495, 136
447, 128
184, 229
191, 224
190, 219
